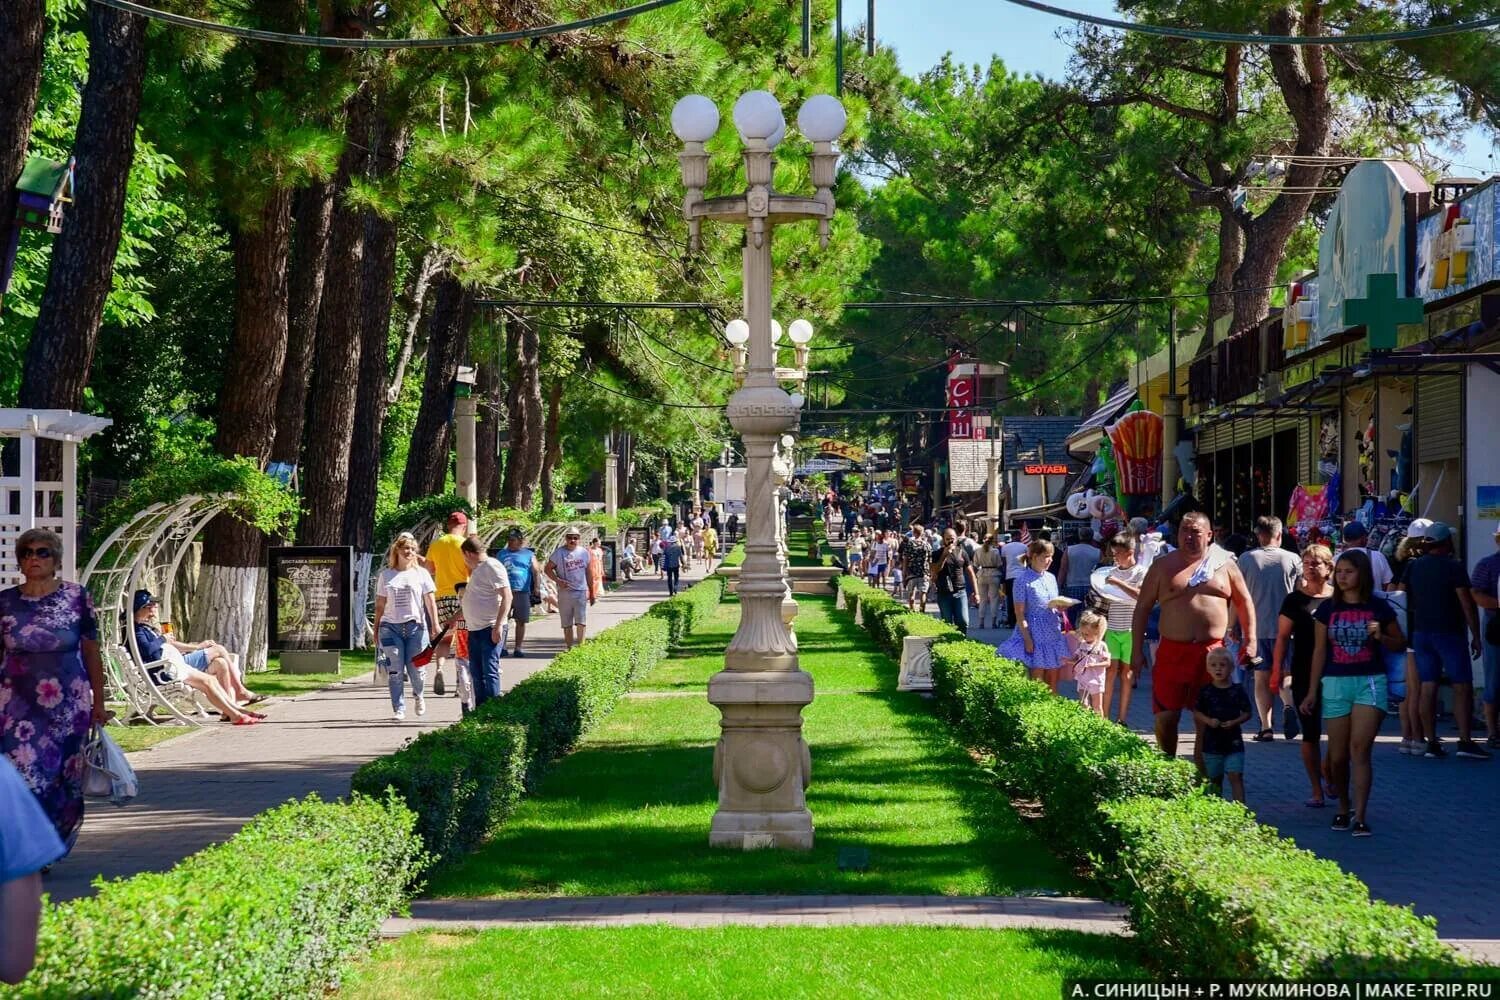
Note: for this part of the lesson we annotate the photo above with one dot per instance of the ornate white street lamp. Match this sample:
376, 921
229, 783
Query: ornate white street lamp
761, 764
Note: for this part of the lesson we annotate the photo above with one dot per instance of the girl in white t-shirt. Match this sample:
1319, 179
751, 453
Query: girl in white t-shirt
405, 602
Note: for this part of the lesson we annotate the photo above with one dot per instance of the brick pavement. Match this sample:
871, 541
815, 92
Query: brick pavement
992, 912
1437, 823
199, 789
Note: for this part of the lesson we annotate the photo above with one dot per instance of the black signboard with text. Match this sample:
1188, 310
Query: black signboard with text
311, 589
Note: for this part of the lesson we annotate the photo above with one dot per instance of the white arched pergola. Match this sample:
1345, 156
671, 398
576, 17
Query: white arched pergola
147, 551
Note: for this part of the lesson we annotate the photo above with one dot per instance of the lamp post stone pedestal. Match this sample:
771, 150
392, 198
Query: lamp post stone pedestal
762, 765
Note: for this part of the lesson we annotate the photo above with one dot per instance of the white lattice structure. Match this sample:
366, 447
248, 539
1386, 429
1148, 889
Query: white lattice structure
146, 551
25, 501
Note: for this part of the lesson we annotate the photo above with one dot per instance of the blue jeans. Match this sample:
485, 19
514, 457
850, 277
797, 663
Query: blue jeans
484, 664
954, 609
401, 642
672, 573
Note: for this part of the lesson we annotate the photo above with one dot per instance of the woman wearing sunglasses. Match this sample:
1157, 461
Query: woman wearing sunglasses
51, 680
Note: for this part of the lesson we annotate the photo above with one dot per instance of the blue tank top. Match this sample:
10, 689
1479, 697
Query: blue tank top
517, 565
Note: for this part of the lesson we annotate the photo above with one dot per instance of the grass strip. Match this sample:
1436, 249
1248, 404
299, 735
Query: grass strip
784, 962
628, 812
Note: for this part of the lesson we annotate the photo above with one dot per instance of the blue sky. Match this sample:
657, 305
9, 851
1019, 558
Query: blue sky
974, 30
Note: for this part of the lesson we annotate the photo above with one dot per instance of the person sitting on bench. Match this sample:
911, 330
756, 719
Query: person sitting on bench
204, 667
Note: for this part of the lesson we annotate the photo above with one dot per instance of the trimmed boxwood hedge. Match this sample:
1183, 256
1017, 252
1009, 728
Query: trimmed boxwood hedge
464, 781
887, 619
1216, 894
278, 910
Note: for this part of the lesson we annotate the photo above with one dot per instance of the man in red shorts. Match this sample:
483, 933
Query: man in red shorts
1194, 585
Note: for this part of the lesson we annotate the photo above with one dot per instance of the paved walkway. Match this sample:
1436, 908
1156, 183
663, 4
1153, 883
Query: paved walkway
1059, 913
1436, 823
199, 789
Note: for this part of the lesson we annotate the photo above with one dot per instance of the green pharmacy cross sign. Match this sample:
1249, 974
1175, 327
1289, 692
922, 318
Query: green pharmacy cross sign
1381, 311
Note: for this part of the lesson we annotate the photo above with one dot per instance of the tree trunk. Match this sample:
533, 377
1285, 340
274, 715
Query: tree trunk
486, 441
515, 414
413, 299
67, 327
378, 287
23, 24
552, 452
527, 433
314, 211
335, 376
447, 344
247, 423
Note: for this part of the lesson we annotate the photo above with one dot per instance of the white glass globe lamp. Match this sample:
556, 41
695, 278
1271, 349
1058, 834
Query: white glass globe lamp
822, 118
695, 118
757, 115
797, 400
775, 332
800, 332
737, 332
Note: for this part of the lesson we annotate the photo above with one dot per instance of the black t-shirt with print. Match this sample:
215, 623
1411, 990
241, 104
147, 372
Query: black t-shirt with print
1223, 704
950, 571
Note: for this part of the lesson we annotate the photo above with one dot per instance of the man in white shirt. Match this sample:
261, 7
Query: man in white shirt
568, 567
1355, 537
1012, 552
486, 604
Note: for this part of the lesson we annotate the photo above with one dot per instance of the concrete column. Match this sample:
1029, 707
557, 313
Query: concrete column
466, 480
761, 765
666, 467
697, 483
992, 497
1171, 420
611, 477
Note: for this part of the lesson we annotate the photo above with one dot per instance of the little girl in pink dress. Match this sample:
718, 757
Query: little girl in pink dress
1090, 660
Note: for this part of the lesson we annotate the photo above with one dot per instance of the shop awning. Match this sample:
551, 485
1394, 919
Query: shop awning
1088, 434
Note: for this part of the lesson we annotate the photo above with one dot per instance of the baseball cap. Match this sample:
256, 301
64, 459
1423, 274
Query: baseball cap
143, 598
572, 533
1437, 531
1418, 528
516, 532
1355, 530
458, 517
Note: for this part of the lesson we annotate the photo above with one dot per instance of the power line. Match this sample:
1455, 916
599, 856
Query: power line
1255, 38
651, 402
328, 42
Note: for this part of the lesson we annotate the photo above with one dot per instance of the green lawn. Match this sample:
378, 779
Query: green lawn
132, 738
273, 682
629, 811
783, 962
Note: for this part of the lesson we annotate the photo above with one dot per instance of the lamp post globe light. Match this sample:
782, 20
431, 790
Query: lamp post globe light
761, 764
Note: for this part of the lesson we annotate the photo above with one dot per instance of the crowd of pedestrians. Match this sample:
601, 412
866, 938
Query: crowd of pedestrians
1239, 637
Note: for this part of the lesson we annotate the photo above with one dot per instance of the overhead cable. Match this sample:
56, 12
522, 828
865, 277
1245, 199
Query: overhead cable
329, 42
1256, 38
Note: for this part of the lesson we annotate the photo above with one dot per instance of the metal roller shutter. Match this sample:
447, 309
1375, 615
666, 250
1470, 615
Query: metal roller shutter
1438, 417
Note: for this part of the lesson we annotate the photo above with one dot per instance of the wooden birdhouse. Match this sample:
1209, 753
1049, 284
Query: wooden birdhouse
44, 188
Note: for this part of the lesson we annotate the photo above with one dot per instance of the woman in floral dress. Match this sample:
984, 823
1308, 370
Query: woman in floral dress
51, 680
1038, 640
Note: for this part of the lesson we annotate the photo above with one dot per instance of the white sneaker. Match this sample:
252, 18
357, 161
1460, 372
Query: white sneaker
400, 715
421, 705
1404, 747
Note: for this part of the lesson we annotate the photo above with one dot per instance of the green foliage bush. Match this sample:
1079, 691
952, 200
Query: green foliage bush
409, 515
259, 499
276, 911
463, 781
1216, 894
1226, 897
735, 556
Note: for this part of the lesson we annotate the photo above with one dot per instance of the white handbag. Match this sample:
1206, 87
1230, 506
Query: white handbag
107, 774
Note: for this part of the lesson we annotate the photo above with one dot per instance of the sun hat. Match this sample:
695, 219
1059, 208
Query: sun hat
1418, 528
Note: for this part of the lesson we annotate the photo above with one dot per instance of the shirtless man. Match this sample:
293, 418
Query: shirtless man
1194, 616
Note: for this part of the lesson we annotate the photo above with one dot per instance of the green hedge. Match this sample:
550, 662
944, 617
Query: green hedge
1215, 894
1225, 897
690, 607
888, 620
735, 556
276, 911
464, 781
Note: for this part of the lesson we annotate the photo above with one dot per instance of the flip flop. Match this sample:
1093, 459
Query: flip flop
257, 699
1314, 803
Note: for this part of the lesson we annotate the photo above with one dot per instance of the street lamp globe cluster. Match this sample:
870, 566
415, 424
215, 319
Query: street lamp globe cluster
761, 764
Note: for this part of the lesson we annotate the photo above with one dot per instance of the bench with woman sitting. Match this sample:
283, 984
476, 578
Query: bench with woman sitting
206, 667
